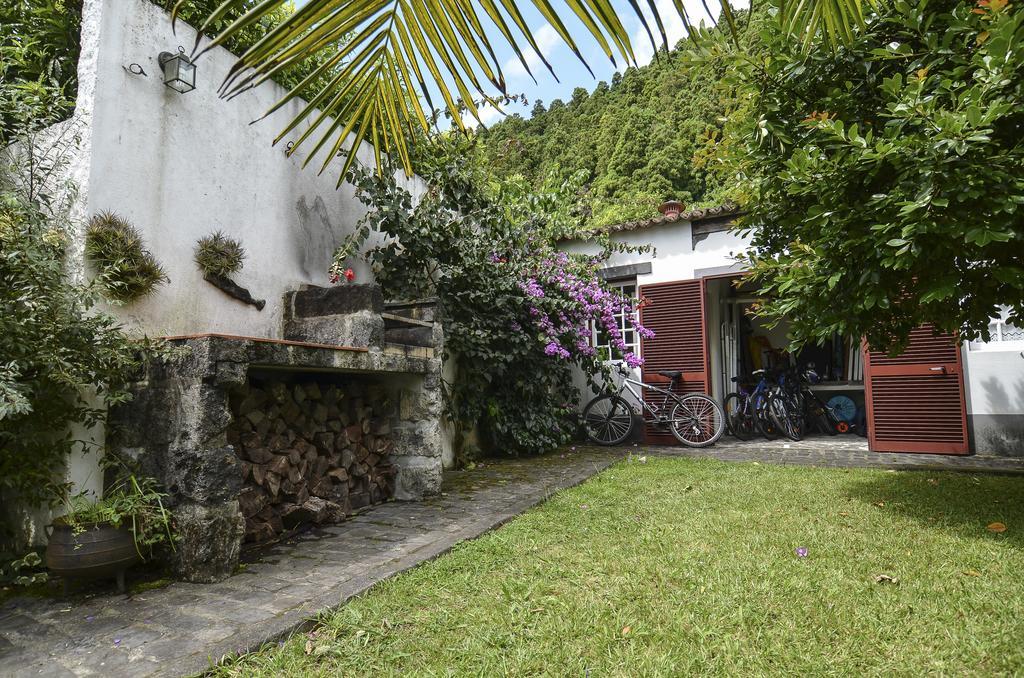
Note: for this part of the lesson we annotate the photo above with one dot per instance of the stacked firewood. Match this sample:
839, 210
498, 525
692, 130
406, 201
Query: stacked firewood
309, 453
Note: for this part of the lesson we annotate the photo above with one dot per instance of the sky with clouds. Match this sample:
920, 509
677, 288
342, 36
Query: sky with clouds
570, 71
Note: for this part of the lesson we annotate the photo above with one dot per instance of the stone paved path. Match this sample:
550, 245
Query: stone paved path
840, 452
179, 629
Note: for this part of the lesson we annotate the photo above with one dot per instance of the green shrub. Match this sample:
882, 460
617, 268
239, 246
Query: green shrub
127, 270
219, 255
56, 350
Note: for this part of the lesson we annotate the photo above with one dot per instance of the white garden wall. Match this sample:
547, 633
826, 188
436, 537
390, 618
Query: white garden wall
180, 166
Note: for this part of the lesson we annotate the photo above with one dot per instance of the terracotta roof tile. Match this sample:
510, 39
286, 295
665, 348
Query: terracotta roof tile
727, 209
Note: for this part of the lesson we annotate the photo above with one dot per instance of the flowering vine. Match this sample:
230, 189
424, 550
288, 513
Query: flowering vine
577, 301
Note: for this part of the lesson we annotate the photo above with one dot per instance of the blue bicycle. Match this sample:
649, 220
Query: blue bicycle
747, 413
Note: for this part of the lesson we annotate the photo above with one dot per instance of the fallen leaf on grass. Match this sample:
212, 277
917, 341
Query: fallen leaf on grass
844, 513
309, 647
933, 481
626, 630
886, 579
880, 504
996, 527
972, 573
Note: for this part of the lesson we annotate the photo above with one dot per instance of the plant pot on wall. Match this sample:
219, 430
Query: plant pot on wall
99, 551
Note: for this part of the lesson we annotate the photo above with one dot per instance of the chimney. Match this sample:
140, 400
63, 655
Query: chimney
671, 209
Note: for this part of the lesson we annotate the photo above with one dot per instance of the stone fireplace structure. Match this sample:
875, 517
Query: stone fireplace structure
252, 437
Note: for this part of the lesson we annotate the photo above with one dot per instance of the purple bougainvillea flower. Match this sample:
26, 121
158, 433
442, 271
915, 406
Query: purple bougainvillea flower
801, 551
117, 641
89, 618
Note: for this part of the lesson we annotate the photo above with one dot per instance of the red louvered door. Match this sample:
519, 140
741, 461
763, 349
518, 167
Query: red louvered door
674, 311
915, 401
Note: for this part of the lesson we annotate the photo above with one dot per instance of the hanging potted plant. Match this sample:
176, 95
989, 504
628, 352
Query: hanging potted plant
98, 539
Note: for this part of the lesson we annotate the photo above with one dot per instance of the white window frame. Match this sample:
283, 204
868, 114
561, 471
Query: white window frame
624, 327
997, 342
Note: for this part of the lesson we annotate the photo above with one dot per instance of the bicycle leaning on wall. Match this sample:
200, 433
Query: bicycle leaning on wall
694, 419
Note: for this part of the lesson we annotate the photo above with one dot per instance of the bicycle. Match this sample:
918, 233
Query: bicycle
746, 412
694, 419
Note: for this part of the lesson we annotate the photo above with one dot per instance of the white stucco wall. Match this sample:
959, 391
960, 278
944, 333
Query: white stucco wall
673, 258
181, 166
994, 384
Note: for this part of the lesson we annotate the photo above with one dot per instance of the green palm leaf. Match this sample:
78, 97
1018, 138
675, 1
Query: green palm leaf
390, 55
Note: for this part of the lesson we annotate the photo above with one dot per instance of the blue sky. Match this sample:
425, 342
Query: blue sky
571, 73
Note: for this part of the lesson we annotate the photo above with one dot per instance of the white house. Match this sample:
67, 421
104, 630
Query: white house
935, 398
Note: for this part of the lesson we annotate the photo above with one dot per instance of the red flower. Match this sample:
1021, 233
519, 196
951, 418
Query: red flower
350, 275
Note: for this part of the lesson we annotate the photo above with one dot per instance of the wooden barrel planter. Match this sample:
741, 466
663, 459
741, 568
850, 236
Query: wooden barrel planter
100, 551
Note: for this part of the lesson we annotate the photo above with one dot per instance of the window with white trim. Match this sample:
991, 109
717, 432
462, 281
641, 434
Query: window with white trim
1004, 336
602, 340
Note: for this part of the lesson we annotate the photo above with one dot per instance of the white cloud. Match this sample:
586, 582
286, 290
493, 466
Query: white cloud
547, 39
675, 29
488, 114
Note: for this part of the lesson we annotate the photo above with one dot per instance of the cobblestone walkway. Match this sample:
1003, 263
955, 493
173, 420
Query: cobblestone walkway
839, 452
180, 629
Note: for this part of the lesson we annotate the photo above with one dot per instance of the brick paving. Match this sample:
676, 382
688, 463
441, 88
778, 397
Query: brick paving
840, 452
179, 629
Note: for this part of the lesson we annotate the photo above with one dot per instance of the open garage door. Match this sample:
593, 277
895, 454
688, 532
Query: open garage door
675, 312
915, 401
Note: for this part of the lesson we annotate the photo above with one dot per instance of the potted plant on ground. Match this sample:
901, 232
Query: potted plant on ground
97, 539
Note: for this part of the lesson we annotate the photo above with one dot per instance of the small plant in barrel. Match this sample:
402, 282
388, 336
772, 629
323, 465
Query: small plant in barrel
218, 257
127, 271
97, 539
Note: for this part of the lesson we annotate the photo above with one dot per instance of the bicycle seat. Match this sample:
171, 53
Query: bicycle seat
671, 374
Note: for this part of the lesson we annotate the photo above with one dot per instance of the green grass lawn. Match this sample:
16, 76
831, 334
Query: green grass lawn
680, 566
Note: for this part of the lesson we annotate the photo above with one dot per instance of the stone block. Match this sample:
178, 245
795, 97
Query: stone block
209, 541
337, 300
417, 477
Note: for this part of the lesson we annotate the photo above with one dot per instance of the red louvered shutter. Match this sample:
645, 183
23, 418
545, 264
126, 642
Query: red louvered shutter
674, 311
915, 401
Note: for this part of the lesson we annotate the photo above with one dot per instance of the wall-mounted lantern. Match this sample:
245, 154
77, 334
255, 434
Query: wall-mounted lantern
179, 71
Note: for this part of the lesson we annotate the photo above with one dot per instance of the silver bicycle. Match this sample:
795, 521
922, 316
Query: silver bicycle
694, 419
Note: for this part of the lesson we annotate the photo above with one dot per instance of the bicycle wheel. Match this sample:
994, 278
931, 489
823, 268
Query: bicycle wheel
696, 420
739, 417
783, 418
818, 414
762, 420
608, 420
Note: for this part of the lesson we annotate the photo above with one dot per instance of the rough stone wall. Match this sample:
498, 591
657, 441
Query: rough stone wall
311, 452
180, 429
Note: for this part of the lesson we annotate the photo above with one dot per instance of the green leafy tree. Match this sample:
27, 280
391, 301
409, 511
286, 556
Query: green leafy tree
884, 180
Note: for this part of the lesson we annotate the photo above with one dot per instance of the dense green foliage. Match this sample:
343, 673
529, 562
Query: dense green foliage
39, 45
688, 567
639, 140
516, 314
126, 269
885, 181
59, 357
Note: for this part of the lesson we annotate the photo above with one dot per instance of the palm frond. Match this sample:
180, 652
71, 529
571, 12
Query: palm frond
390, 56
